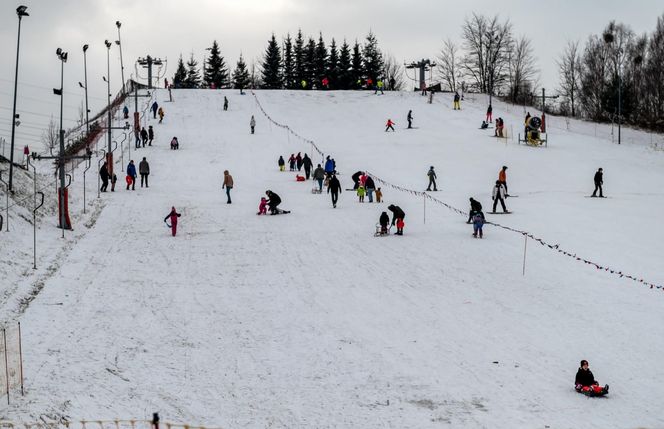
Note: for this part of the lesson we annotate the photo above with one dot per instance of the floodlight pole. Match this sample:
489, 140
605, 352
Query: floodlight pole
21, 12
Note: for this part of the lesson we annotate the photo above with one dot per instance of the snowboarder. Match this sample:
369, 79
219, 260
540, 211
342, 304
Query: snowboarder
252, 124
228, 184
150, 135
599, 181
397, 214
457, 102
584, 382
502, 178
291, 162
478, 222
225, 103
356, 179
370, 186
131, 175
298, 161
384, 220
154, 109
498, 195
489, 113
144, 136
432, 179
329, 165
319, 175
161, 114
262, 207
334, 188
361, 192
475, 207
379, 195
125, 111
103, 175
281, 163
307, 164
389, 125
144, 171
484, 125
409, 118
173, 217
175, 144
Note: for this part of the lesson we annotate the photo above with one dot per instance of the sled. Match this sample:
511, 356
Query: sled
507, 212
316, 191
595, 196
379, 233
592, 394
279, 211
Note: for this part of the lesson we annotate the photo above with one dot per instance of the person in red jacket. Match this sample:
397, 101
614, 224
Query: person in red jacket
173, 216
388, 125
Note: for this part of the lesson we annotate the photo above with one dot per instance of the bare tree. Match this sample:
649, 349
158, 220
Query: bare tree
393, 70
522, 69
449, 68
569, 67
51, 135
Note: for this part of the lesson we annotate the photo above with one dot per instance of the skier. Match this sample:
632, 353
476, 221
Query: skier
125, 110
228, 184
131, 175
307, 164
225, 103
329, 165
502, 178
388, 125
361, 192
432, 179
478, 222
154, 109
298, 161
161, 114
457, 103
379, 195
489, 113
370, 186
498, 195
384, 220
262, 207
475, 207
173, 217
584, 382
334, 188
356, 179
175, 144
291, 162
281, 163
150, 135
273, 200
599, 181
144, 136
319, 175
252, 124
409, 118
397, 214
144, 171
103, 175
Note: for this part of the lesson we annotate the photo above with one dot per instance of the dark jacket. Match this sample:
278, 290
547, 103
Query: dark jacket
410, 115
598, 178
144, 134
103, 173
397, 213
306, 162
369, 184
584, 377
334, 185
384, 219
273, 199
154, 107
281, 161
431, 173
475, 205
356, 176
144, 167
151, 133
319, 173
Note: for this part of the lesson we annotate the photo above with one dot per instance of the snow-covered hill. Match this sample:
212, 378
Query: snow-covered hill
307, 320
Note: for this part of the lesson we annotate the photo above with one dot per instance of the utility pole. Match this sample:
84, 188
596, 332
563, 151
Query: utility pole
147, 63
119, 43
21, 12
423, 66
544, 97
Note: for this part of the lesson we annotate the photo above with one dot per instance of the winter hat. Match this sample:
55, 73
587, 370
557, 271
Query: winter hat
584, 362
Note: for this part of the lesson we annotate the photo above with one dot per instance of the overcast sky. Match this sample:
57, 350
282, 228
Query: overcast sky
407, 29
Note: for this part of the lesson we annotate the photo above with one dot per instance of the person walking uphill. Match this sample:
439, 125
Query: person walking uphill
150, 135
319, 176
334, 188
307, 164
409, 118
252, 124
154, 109
432, 179
131, 175
144, 136
228, 184
173, 216
161, 114
599, 181
103, 175
144, 170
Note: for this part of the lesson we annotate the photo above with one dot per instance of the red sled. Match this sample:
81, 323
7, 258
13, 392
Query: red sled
129, 180
299, 178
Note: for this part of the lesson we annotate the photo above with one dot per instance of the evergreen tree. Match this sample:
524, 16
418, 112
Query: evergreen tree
180, 74
271, 68
289, 64
240, 75
357, 70
193, 79
216, 72
310, 62
333, 65
320, 60
344, 71
373, 59
298, 53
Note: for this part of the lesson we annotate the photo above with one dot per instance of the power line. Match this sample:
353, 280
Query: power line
37, 114
50, 89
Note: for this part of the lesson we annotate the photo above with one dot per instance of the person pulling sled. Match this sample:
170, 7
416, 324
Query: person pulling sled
173, 217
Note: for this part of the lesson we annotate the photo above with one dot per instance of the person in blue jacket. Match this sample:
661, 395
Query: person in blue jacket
154, 109
125, 110
329, 166
131, 175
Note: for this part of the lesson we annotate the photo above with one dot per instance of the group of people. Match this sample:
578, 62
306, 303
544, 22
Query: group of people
144, 136
363, 184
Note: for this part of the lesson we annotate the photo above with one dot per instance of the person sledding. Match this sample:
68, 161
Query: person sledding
585, 382
383, 223
173, 217
273, 200
389, 125
397, 214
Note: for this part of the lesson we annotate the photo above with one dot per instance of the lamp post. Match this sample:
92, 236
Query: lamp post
85, 87
119, 43
21, 12
62, 199
107, 78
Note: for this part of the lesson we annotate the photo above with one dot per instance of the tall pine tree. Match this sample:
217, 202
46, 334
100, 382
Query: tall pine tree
193, 79
310, 62
271, 68
320, 61
332, 65
373, 58
298, 52
216, 72
344, 68
240, 75
180, 74
289, 64
357, 70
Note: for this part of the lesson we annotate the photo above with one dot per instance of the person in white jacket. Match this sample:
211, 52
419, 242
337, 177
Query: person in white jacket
499, 195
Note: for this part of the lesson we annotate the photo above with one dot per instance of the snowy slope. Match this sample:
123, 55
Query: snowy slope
307, 320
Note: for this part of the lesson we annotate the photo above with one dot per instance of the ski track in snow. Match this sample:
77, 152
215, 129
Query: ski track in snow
307, 320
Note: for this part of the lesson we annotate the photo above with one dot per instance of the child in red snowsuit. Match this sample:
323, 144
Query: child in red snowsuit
388, 125
400, 225
173, 216
262, 207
